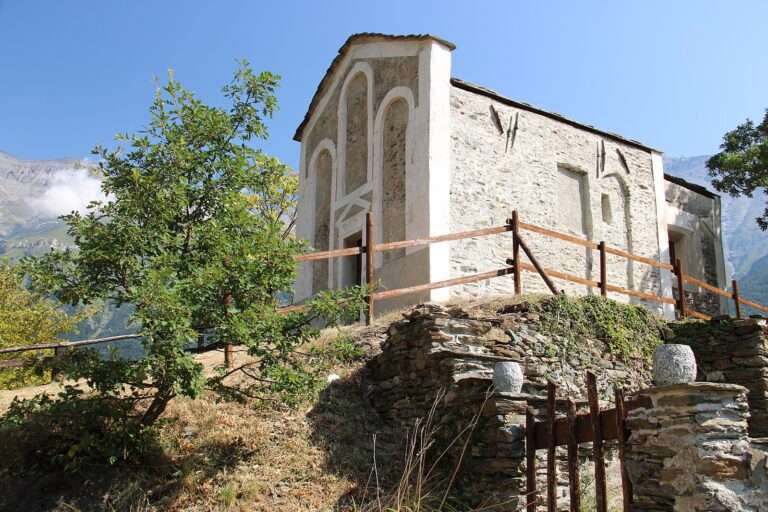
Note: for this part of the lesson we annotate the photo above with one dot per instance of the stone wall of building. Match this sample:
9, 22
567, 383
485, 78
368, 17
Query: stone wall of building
735, 352
557, 176
693, 221
689, 450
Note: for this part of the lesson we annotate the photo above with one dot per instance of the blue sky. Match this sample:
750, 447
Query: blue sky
673, 74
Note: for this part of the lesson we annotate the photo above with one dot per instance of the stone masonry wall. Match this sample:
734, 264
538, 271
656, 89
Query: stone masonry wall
435, 347
735, 352
492, 175
690, 451
445, 356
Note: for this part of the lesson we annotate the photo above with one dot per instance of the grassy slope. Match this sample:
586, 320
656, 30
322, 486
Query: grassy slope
256, 456
228, 456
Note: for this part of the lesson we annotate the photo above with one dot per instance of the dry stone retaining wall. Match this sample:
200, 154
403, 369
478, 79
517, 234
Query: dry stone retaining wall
735, 352
443, 355
690, 451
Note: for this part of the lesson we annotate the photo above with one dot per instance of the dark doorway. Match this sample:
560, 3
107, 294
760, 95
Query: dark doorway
352, 266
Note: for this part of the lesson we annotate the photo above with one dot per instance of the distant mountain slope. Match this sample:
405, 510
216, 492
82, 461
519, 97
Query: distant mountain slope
32, 195
24, 227
746, 245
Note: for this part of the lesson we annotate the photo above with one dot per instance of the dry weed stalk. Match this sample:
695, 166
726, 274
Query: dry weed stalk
422, 487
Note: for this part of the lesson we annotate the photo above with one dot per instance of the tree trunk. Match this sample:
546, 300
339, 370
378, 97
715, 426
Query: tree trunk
156, 408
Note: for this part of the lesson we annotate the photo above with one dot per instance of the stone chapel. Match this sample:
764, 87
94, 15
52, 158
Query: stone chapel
390, 131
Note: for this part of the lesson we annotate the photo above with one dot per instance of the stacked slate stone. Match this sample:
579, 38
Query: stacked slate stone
689, 450
439, 358
434, 347
735, 352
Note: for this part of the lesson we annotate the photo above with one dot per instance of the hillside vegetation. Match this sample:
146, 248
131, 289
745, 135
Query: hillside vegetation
307, 448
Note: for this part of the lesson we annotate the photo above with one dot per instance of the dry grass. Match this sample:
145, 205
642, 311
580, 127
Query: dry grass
216, 456
224, 456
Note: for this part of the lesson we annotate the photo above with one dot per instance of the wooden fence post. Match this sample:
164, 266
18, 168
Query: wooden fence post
228, 346
621, 435
551, 448
369, 253
735, 287
603, 270
574, 479
516, 252
530, 461
58, 353
597, 444
681, 305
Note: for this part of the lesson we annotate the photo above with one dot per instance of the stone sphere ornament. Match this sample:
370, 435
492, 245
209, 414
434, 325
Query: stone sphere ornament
673, 364
507, 377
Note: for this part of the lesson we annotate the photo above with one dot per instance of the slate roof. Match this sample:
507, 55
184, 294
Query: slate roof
691, 186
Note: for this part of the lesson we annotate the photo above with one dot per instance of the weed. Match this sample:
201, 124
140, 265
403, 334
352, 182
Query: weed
629, 331
228, 494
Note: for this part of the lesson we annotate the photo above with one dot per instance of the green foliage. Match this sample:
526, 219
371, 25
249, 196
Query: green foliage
628, 330
741, 167
196, 236
27, 318
73, 428
342, 350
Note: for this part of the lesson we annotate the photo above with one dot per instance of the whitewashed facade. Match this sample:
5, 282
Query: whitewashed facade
389, 131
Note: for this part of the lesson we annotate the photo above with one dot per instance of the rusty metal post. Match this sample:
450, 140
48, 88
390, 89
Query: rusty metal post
735, 287
621, 435
603, 269
682, 307
601, 501
574, 478
369, 253
551, 447
516, 252
532, 497
227, 346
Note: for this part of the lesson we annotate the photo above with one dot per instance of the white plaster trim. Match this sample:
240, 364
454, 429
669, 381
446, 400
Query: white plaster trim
346, 228
385, 49
722, 271
341, 135
657, 167
361, 51
354, 195
311, 198
394, 94
437, 80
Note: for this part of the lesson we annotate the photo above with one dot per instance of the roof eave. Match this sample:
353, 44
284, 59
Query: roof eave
489, 93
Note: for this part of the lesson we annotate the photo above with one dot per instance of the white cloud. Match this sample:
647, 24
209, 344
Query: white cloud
68, 191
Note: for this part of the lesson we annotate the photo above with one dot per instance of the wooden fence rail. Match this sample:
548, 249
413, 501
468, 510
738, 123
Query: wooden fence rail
515, 268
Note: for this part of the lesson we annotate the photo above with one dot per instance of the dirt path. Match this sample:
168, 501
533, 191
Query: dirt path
210, 361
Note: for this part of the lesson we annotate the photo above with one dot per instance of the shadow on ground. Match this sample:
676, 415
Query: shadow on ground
38, 486
349, 430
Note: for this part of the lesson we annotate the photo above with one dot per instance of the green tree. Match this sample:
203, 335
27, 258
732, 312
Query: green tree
27, 318
196, 235
741, 167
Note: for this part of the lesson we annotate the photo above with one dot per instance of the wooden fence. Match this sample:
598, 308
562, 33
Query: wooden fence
595, 427
515, 267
